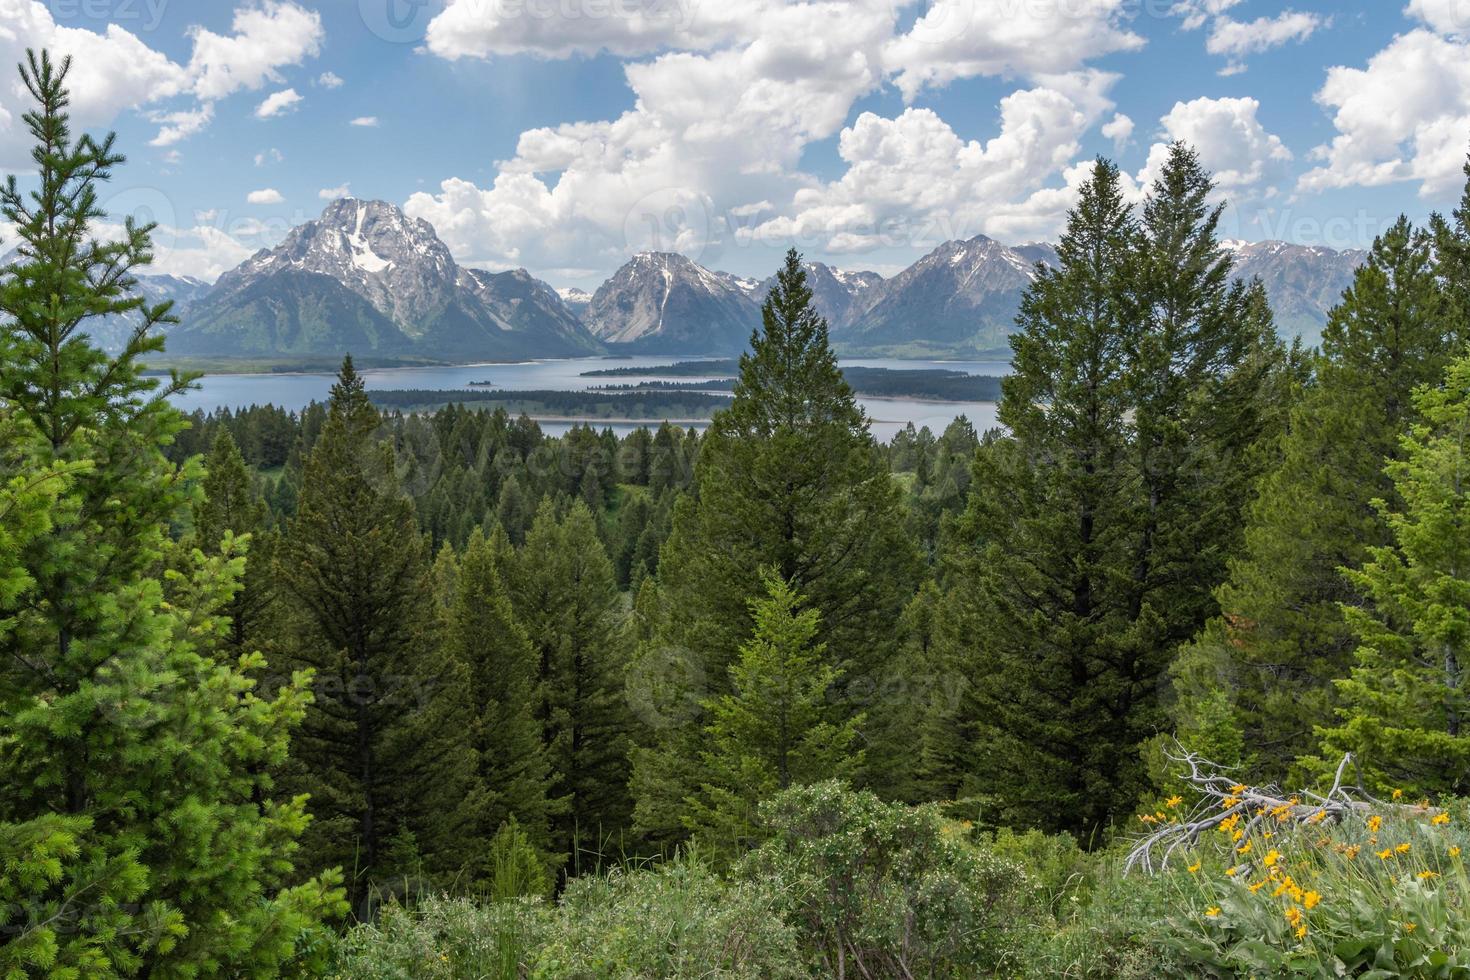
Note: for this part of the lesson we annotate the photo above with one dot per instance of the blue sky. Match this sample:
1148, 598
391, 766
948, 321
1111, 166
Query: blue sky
564, 135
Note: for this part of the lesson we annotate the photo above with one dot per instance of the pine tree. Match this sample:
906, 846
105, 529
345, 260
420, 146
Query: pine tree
484, 635
232, 506
1260, 675
789, 477
385, 748
1202, 354
1403, 708
564, 594
774, 729
1035, 613
133, 752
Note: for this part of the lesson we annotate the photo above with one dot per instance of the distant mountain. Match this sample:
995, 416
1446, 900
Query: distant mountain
1304, 282
111, 332
662, 302
367, 278
576, 300
838, 294
961, 298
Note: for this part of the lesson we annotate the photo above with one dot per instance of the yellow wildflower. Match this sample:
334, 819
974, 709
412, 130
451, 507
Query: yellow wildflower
1230, 872
1317, 817
1310, 900
1386, 853
1173, 801
1398, 794
1409, 926
1239, 788
1301, 931
1440, 819
1374, 822
1454, 852
1351, 851
1244, 848
1259, 885
1426, 875
1294, 915
1193, 867
1271, 857
1403, 848
1212, 911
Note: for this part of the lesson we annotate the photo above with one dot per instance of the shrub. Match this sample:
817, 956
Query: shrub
516, 867
883, 889
679, 920
442, 938
1382, 894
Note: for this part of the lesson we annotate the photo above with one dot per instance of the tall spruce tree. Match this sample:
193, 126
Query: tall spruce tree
789, 477
515, 777
133, 752
1260, 675
1404, 707
1097, 529
385, 749
1037, 607
774, 730
565, 595
232, 506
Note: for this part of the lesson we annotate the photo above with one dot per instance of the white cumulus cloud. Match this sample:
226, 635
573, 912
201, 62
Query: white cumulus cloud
266, 195
955, 39
1405, 116
1245, 159
264, 38
277, 103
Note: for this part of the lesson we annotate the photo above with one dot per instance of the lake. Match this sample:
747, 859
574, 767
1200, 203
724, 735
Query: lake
295, 391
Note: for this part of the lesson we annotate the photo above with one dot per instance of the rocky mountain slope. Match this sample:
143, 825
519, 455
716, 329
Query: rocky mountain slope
961, 298
367, 278
1303, 281
365, 273
662, 302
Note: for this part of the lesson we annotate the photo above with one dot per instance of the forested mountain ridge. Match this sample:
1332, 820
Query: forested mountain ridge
353, 693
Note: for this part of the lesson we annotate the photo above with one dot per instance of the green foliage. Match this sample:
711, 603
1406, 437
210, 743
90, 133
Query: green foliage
138, 834
385, 750
564, 594
788, 477
1281, 638
883, 889
773, 730
516, 866
1404, 704
514, 775
1381, 894
1096, 529
678, 921
231, 505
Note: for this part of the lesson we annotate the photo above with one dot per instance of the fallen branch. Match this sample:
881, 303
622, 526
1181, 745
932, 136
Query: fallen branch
1225, 800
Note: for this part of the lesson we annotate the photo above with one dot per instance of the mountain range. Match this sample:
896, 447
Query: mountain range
367, 278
